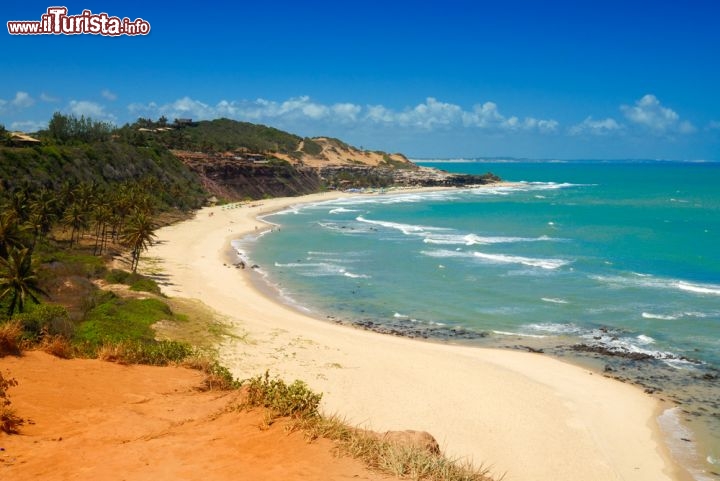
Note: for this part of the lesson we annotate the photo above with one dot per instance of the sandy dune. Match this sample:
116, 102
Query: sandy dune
95, 420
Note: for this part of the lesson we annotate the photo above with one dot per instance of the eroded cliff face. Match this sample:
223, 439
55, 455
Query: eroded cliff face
235, 178
241, 175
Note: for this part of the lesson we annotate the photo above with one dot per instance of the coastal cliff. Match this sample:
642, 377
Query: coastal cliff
194, 160
252, 161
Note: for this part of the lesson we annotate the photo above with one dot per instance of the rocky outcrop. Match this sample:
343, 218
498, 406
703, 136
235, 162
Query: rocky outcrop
236, 177
415, 440
365, 176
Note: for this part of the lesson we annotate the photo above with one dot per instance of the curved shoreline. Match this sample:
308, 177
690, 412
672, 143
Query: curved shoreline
530, 416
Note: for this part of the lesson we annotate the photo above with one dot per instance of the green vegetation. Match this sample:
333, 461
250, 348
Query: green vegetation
218, 135
68, 128
18, 280
160, 353
395, 164
121, 319
136, 281
311, 147
282, 400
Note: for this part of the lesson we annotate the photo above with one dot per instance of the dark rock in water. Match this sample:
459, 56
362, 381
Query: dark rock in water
634, 356
532, 349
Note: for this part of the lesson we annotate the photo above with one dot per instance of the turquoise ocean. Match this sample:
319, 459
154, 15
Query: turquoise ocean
609, 264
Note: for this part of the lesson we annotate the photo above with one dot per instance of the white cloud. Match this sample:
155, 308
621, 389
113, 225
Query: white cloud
90, 109
22, 100
28, 126
346, 112
488, 116
434, 113
649, 113
596, 127
108, 95
713, 125
430, 115
48, 98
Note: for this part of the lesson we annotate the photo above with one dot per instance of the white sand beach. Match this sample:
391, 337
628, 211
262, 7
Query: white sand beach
526, 415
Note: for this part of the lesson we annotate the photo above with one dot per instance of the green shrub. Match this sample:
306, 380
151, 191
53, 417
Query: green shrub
145, 285
295, 400
311, 147
117, 276
45, 319
137, 282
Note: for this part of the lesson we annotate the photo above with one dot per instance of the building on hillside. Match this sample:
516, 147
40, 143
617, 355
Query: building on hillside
22, 139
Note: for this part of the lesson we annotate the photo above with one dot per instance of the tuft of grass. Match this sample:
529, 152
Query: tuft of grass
58, 346
218, 377
294, 400
10, 338
400, 460
153, 353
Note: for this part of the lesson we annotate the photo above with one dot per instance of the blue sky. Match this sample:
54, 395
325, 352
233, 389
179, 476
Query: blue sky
537, 79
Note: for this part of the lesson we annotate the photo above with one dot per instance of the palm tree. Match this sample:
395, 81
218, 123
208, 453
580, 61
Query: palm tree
44, 207
138, 235
18, 280
102, 215
10, 235
75, 217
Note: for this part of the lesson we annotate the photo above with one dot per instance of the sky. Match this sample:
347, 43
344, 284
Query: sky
530, 79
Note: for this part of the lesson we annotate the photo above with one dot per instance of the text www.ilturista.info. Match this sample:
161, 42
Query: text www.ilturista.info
57, 22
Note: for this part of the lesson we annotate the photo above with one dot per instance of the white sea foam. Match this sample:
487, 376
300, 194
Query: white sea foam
355, 276
498, 258
699, 288
649, 281
645, 340
290, 210
662, 317
397, 315
321, 269
473, 239
554, 300
554, 328
407, 229
553, 185
506, 333
341, 210
528, 261
611, 339
442, 253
